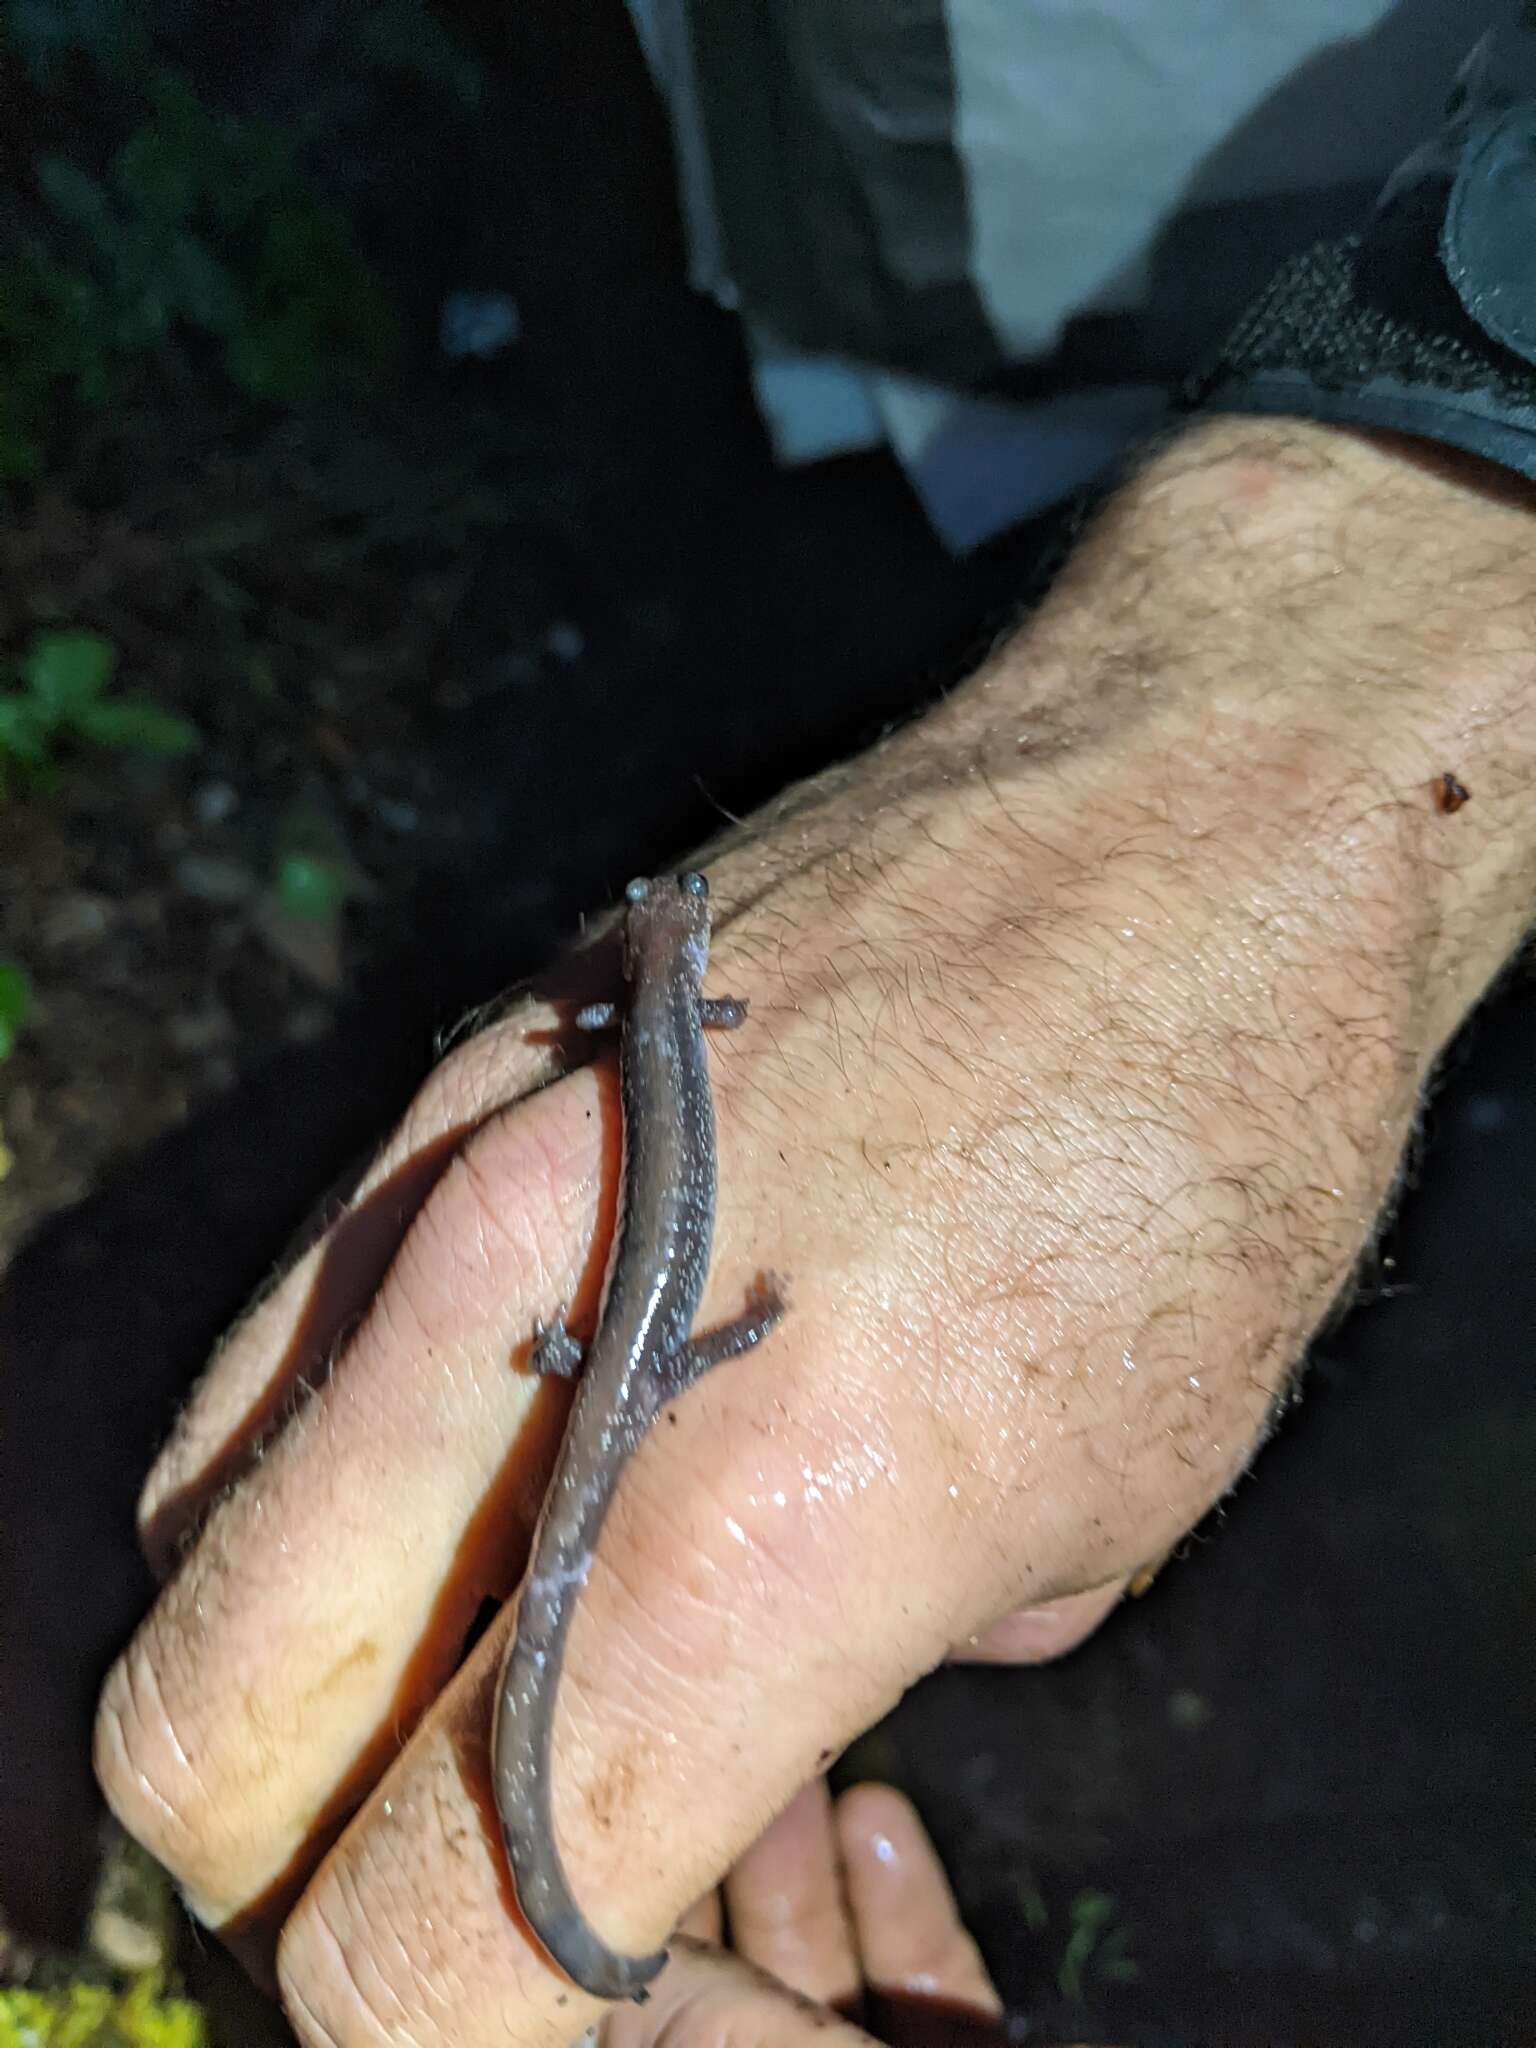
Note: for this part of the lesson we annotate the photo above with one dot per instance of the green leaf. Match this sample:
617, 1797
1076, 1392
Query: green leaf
24, 729
275, 359
157, 174
15, 1001
72, 193
309, 886
1093, 1909
81, 2014
186, 121
34, 27
1032, 1904
134, 724
203, 287
65, 671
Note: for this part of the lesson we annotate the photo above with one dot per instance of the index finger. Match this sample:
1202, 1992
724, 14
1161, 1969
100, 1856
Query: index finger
291, 1333
330, 1594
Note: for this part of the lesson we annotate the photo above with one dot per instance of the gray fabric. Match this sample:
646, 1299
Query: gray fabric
667, 40
944, 221
844, 216
1426, 320
1489, 241
947, 186
1089, 131
1313, 348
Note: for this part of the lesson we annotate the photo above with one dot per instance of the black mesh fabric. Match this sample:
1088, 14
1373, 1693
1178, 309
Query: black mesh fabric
1317, 345
1420, 322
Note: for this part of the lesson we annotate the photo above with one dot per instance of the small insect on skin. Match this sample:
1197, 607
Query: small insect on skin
1449, 794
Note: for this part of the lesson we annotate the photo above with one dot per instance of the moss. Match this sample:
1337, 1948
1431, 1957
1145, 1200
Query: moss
84, 2015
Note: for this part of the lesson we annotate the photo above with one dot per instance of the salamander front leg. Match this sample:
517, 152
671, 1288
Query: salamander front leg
722, 1013
555, 1351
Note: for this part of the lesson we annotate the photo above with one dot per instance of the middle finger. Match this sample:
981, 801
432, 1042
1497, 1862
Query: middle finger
788, 1912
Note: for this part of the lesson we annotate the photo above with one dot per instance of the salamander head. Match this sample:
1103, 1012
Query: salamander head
669, 910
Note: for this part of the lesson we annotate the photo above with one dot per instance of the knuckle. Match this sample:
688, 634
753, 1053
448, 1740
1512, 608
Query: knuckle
453, 1098
341, 1986
186, 1751
704, 1547
473, 1079
145, 1769
480, 1238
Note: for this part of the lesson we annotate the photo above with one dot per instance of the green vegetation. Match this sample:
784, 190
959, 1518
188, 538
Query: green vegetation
1095, 1948
62, 701
201, 233
1096, 1951
117, 1990
15, 1001
64, 678
311, 887
86, 2015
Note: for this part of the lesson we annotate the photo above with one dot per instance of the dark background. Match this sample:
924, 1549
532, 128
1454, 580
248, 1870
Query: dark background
1302, 1768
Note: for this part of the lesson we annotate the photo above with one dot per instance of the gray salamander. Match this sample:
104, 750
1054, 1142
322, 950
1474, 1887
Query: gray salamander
641, 1357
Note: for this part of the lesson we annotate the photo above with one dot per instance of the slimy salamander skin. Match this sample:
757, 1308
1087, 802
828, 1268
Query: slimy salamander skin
642, 1357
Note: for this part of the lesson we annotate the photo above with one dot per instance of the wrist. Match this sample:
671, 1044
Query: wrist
1299, 630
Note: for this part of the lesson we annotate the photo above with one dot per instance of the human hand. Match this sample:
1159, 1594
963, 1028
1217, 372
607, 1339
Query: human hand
1088, 1019
832, 1904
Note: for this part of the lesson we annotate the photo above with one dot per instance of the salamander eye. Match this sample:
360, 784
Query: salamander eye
693, 884
637, 890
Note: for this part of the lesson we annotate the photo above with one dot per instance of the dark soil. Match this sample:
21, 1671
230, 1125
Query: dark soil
491, 645
292, 596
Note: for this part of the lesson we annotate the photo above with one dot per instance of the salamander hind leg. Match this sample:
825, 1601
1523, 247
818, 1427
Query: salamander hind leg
743, 1333
555, 1351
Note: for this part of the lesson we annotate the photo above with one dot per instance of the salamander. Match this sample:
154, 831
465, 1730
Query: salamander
642, 1356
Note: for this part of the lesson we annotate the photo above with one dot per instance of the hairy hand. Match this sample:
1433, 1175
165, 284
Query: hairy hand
1088, 1021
